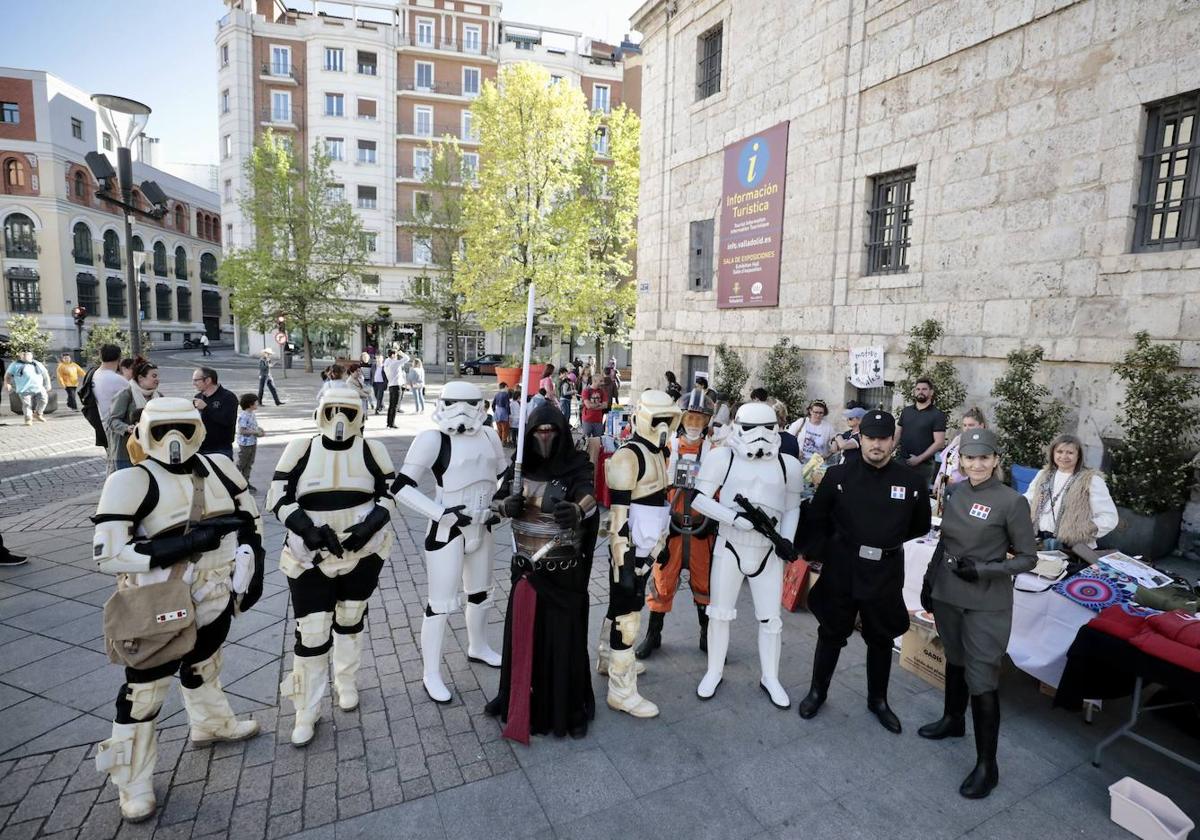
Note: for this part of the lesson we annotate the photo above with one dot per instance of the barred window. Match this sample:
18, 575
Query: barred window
183, 303
88, 293
1168, 215
708, 63
24, 293
890, 221
162, 301
700, 255
114, 288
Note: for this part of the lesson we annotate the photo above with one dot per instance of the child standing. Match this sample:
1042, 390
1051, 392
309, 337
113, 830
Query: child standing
248, 433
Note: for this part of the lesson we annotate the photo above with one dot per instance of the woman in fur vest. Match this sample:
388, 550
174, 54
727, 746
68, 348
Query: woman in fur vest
1069, 502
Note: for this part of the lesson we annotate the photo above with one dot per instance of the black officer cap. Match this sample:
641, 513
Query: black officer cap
877, 424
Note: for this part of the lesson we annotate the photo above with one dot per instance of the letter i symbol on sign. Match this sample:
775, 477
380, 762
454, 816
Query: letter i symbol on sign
752, 160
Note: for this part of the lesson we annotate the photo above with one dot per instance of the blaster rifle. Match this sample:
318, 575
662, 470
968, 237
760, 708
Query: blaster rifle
765, 525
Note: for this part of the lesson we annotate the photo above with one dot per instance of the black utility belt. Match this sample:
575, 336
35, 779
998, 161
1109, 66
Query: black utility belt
546, 564
870, 552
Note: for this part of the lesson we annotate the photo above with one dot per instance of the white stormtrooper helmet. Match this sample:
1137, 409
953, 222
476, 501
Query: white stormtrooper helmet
339, 414
461, 409
657, 417
169, 430
755, 431
720, 425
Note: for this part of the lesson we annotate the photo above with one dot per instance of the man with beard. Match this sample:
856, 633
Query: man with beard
690, 543
545, 684
637, 532
856, 526
921, 430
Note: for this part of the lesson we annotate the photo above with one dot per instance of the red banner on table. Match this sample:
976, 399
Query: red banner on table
752, 194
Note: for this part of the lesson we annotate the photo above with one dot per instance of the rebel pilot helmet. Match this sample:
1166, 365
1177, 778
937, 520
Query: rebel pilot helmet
657, 417
169, 430
339, 414
755, 431
698, 410
460, 409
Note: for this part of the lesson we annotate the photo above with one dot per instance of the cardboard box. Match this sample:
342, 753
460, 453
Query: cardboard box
921, 653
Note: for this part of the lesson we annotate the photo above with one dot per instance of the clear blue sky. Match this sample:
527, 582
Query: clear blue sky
168, 60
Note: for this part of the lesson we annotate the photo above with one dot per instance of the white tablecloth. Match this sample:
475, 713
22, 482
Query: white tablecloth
1044, 623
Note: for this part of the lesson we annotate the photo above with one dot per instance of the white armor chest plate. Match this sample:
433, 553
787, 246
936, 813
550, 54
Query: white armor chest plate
332, 469
762, 482
175, 500
654, 478
470, 477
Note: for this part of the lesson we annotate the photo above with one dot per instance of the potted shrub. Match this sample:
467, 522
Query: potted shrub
509, 371
730, 375
1027, 418
1150, 467
783, 376
949, 390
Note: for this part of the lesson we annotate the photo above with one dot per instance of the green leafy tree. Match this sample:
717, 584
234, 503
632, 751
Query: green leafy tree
309, 246
1150, 468
950, 392
538, 213
1027, 417
783, 376
102, 334
438, 222
24, 335
730, 375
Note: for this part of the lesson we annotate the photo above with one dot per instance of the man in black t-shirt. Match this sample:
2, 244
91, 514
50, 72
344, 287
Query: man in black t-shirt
218, 412
921, 430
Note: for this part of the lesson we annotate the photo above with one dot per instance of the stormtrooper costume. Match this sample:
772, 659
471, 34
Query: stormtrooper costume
749, 465
466, 459
638, 520
331, 492
151, 517
692, 535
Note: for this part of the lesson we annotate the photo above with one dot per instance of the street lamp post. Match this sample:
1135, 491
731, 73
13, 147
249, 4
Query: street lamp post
126, 120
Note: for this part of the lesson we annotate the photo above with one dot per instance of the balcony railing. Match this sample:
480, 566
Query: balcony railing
22, 248
278, 117
450, 88
436, 130
368, 69
472, 48
408, 170
280, 71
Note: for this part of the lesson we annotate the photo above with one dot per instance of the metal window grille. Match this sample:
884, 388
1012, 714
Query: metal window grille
160, 259
878, 398
183, 304
24, 294
700, 256
708, 63
890, 222
115, 290
87, 291
143, 299
162, 301
1168, 212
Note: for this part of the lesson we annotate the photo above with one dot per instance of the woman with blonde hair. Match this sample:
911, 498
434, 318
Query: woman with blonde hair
1070, 504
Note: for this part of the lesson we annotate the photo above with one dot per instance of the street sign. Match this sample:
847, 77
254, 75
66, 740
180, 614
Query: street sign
281, 338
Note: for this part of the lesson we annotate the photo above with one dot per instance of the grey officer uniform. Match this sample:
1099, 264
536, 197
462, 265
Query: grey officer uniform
980, 523
969, 586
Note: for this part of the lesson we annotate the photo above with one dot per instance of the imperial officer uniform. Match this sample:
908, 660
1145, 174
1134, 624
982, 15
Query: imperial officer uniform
968, 587
856, 526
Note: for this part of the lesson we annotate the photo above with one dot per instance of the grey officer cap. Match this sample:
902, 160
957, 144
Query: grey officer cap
979, 442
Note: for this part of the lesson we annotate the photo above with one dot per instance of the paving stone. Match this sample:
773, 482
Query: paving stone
469, 810
249, 821
20, 831
285, 824
385, 788
351, 778
418, 787
70, 811
215, 810
192, 766
39, 800
102, 823
253, 786
578, 784
287, 793
419, 818
223, 774
182, 804
320, 805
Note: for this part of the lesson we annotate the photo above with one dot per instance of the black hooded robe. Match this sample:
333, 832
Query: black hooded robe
561, 698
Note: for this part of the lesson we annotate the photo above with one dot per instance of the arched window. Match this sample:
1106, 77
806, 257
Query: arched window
14, 175
208, 268
207, 227
160, 259
180, 218
20, 241
82, 251
217, 229
80, 185
138, 245
199, 223
181, 263
112, 249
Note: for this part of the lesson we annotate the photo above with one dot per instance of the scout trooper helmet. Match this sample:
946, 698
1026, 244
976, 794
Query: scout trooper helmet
657, 417
755, 431
698, 410
339, 413
461, 409
169, 430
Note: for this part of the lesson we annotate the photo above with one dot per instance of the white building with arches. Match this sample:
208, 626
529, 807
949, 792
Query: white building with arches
63, 246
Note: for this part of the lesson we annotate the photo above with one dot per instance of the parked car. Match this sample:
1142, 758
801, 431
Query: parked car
485, 364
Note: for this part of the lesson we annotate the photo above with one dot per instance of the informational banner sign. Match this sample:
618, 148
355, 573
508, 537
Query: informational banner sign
752, 194
866, 367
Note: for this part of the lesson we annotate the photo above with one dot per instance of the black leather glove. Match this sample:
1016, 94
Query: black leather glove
255, 588
329, 542
786, 551
302, 526
927, 595
512, 506
567, 514
167, 551
360, 533
965, 569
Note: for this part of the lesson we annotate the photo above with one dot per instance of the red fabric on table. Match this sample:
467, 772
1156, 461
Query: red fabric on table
1115, 621
1173, 637
521, 679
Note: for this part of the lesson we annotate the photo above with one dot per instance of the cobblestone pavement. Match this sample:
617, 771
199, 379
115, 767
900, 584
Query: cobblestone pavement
402, 766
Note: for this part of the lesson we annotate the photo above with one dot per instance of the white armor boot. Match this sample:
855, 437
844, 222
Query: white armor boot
622, 686
604, 652
466, 459
129, 757
305, 687
346, 657
718, 646
208, 708
770, 645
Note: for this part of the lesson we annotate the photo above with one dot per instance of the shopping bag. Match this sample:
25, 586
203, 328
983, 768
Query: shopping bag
794, 581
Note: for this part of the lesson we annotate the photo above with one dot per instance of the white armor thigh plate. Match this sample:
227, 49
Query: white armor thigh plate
648, 527
212, 581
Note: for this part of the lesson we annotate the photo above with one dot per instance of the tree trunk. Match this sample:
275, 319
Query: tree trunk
308, 365
600, 362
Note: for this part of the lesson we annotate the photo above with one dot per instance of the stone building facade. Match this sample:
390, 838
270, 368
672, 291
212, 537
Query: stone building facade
1018, 129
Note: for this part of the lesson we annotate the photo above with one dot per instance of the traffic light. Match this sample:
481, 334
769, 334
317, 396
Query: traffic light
80, 314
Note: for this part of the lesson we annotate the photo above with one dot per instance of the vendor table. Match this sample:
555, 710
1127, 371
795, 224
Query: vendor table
1044, 623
